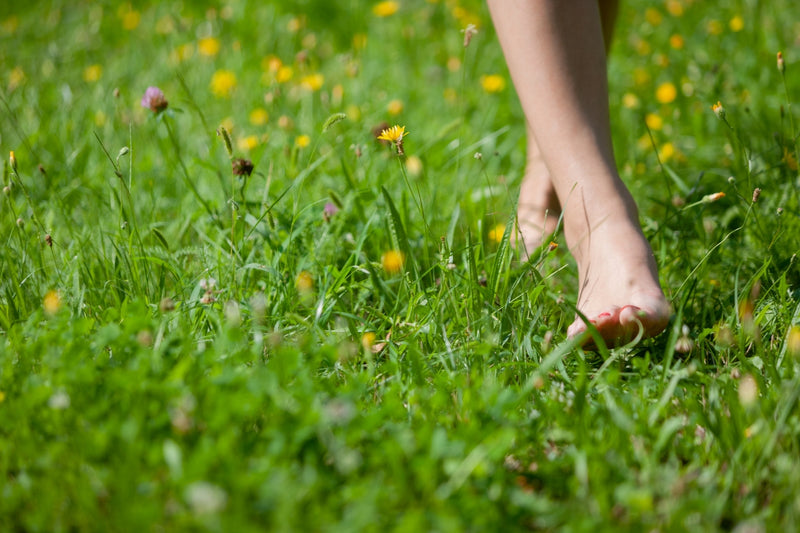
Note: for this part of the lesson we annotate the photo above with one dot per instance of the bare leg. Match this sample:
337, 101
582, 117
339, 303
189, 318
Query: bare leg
555, 53
538, 209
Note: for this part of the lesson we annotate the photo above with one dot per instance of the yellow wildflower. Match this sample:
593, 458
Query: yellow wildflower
10, 24
653, 121
182, 53
223, 82
302, 141
666, 93
51, 303
666, 152
92, 73
284, 74
736, 23
718, 110
640, 76
395, 107
385, 9
630, 101
653, 16
313, 82
453, 64
496, 233
394, 134
714, 27
793, 341
676, 41
208, 46
259, 116
789, 159
359, 41
15, 78
675, 8
393, 261
131, 19
367, 340
304, 282
247, 143
271, 63
414, 166
493, 83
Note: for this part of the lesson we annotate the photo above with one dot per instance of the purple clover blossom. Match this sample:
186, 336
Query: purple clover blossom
329, 211
154, 100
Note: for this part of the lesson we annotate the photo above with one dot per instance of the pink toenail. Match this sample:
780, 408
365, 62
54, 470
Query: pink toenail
603, 315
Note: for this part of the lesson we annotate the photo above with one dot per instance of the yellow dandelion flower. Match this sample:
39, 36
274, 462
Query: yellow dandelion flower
227, 123
496, 233
393, 261
676, 41
793, 341
92, 73
493, 83
736, 23
284, 74
675, 8
385, 9
453, 64
414, 166
643, 48
2, 396
302, 141
312, 82
271, 63
367, 340
630, 101
246, 144
714, 27
654, 121
208, 46
653, 16
51, 303
666, 93
644, 143
223, 82
304, 282
259, 116
131, 19
295, 24
395, 107
666, 151
394, 134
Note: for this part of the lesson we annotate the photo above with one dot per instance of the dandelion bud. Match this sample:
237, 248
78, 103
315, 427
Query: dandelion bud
756, 194
781, 65
12, 159
713, 197
552, 246
469, 32
226, 137
718, 110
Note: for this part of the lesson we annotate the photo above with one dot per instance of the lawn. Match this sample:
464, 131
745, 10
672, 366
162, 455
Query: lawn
230, 307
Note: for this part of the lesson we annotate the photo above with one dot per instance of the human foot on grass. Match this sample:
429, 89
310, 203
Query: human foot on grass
619, 289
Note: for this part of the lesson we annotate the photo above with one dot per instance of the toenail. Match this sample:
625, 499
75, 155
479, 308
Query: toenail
603, 315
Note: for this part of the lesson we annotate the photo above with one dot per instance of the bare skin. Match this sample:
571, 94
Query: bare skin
556, 55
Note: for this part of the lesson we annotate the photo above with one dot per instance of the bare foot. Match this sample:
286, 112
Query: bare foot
619, 289
538, 209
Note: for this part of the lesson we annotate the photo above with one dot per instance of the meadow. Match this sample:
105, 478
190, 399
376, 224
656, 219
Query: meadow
230, 307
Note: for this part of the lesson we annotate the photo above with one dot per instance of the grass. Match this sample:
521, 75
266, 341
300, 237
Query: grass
184, 348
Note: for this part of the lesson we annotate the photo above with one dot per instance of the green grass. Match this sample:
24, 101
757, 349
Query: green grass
309, 388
